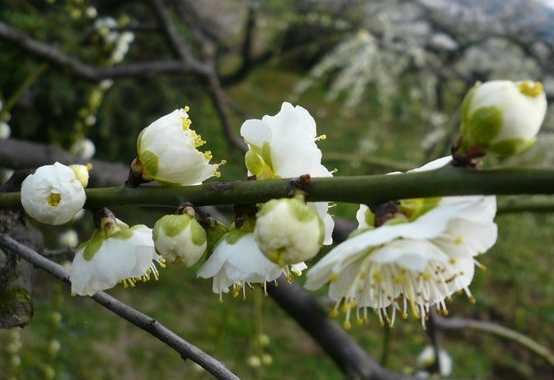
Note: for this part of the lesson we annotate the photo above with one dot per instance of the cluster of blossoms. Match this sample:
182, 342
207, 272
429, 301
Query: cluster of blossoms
420, 255
82, 147
117, 42
405, 255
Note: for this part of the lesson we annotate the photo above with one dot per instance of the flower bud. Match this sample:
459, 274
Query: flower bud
54, 347
84, 149
69, 239
288, 231
81, 173
267, 359
254, 361
180, 238
53, 194
168, 152
502, 117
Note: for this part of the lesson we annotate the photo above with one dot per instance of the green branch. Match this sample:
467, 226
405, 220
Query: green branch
356, 189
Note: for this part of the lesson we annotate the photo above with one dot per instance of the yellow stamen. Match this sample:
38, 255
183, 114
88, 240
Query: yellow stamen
54, 199
531, 89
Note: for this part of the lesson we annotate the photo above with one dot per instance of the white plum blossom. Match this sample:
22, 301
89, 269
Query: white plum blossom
5, 130
116, 253
106, 84
91, 12
107, 28
237, 262
168, 152
69, 239
426, 359
84, 149
502, 117
54, 193
288, 231
122, 45
180, 238
284, 146
418, 259
90, 120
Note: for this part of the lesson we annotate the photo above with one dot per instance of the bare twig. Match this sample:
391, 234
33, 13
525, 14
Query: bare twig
139, 319
83, 70
219, 101
206, 70
498, 330
19, 154
177, 41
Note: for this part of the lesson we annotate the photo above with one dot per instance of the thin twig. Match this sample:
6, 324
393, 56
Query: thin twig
496, 329
176, 40
348, 355
22, 89
219, 101
139, 319
86, 71
205, 69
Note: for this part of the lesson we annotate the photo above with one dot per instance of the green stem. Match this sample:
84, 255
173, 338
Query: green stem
356, 189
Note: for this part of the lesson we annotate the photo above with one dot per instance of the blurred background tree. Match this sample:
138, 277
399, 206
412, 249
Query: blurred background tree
376, 75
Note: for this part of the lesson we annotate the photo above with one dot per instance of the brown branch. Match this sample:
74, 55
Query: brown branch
249, 60
19, 155
85, 71
183, 51
218, 98
139, 319
340, 346
176, 40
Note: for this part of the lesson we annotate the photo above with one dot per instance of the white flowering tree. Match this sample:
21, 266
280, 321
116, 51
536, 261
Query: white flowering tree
417, 243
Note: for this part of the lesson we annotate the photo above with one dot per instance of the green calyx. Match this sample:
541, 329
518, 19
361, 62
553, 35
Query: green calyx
150, 164
258, 161
511, 146
115, 231
234, 235
369, 218
298, 208
416, 207
215, 232
481, 127
301, 211
173, 225
198, 234
93, 245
